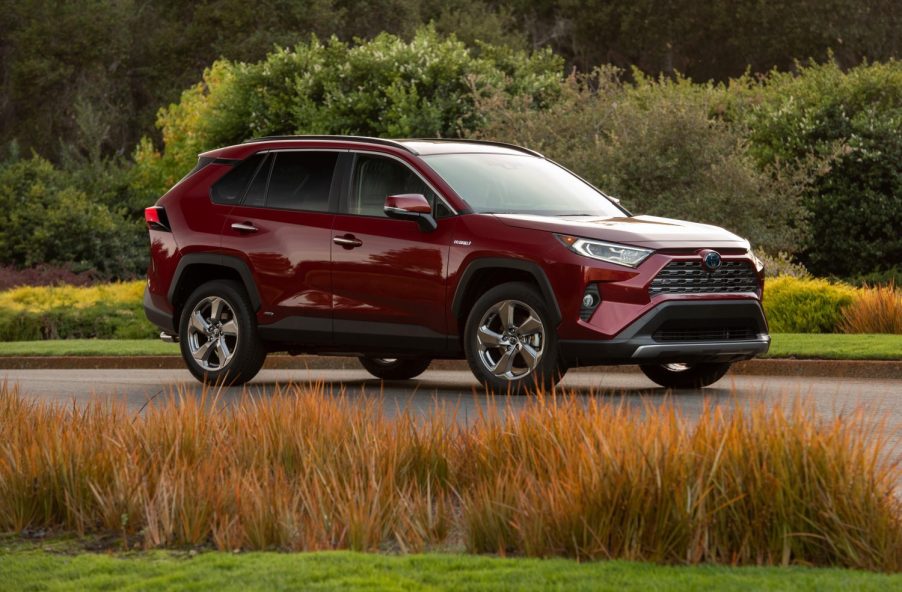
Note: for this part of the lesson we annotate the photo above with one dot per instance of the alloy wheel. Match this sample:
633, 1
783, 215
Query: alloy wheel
212, 333
510, 339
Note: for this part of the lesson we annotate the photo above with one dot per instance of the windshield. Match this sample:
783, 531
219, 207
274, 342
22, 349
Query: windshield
519, 184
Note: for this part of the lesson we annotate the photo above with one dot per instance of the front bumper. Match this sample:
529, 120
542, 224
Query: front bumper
641, 342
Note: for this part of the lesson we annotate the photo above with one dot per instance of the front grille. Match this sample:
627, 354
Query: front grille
731, 333
689, 277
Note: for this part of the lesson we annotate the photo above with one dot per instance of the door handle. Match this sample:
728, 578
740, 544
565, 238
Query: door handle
244, 227
347, 241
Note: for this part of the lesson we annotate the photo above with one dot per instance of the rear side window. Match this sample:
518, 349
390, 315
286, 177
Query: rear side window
230, 189
301, 181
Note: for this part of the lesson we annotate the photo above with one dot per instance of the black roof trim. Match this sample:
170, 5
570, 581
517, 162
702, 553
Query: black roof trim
484, 142
362, 139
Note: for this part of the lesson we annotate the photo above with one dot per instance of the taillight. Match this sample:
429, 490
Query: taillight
156, 219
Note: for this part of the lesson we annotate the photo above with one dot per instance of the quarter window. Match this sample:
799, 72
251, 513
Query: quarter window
230, 188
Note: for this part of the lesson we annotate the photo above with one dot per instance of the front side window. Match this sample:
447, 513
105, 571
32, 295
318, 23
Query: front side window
520, 184
377, 177
301, 181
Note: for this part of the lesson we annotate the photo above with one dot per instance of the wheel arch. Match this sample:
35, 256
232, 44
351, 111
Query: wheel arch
196, 269
489, 272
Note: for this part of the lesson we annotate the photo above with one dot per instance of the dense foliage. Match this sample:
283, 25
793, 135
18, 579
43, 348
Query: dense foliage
851, 122
115, 63
47, 217
427, 87
803, 163
806, 163
660, 146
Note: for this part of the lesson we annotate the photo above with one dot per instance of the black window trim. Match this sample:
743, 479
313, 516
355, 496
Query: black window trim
344, 202
266, 160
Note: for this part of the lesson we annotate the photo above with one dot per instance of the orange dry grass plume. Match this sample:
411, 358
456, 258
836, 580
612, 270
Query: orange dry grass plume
876, 309
301, 470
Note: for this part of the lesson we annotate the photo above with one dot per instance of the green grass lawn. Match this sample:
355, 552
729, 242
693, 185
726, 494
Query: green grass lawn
784, 345
836, 346
223, 572
89, 347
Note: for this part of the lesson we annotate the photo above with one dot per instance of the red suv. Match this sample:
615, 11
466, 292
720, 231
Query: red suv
401, 252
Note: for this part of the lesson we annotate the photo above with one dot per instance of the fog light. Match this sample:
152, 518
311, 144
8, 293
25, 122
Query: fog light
591, 300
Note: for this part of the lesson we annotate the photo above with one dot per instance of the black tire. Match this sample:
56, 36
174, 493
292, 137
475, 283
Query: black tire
481, 353
246, 348
395, 369
691, 376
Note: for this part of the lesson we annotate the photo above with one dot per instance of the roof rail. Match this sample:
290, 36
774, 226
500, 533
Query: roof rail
486, 142
365, 139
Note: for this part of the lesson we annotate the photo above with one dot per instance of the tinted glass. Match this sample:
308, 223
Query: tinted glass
301, 181
230, 189
515, 184
256, 191
375, 178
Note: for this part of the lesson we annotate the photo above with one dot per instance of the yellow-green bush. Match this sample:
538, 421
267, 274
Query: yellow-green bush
106, 311
796, 305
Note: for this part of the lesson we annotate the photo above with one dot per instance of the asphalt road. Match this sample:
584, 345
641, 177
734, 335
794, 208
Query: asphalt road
459, 389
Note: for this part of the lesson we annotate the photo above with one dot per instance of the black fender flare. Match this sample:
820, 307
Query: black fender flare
506, 263
247, 278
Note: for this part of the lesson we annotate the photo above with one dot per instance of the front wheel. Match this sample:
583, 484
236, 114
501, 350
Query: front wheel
685, 376
510, 340
394, 368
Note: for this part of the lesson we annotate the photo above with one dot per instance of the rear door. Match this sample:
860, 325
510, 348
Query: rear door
282, 227
388, 276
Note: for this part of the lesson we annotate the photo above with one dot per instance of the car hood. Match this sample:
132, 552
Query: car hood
641, 231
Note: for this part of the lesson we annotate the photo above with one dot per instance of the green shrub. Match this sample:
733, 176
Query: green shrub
384, 87
795, 305
46, 219
852, 123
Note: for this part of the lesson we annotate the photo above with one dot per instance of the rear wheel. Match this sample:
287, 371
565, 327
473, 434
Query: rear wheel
394, 368
510, 340
218, 334
685, 375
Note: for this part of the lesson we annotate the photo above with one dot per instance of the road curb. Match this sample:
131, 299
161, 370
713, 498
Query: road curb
877, 369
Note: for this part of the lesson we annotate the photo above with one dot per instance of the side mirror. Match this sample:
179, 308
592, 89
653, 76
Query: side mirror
411, 206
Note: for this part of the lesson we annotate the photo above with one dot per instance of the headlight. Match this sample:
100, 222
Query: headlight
609, 252
759, 264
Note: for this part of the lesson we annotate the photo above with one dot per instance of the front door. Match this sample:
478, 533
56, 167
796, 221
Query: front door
388, 276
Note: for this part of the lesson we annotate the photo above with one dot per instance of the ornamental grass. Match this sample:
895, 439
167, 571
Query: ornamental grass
581, 477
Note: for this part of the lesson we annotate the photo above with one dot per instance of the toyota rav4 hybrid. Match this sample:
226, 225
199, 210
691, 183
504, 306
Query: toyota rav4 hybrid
402, 252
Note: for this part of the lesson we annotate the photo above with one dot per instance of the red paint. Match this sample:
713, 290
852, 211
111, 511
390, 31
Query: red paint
410, 202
